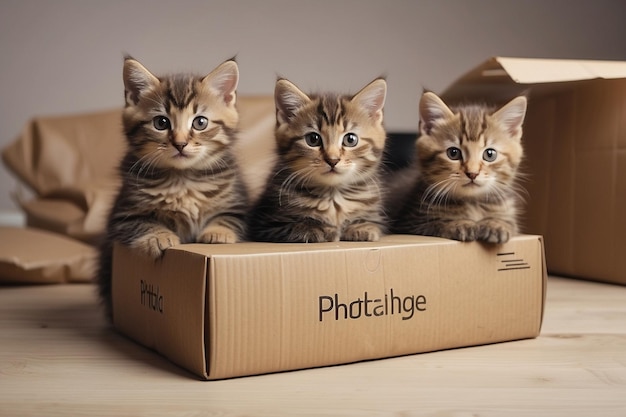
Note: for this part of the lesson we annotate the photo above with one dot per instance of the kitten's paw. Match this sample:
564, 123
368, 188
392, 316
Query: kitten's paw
218, 234
463, 230
494, 231
362, 232
155, 244
313, 234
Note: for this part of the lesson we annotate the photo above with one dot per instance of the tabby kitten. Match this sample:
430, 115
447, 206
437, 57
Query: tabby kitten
325, 184
180, 181
467, 167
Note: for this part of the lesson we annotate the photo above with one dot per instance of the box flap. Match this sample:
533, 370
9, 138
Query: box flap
501, 78
532, 71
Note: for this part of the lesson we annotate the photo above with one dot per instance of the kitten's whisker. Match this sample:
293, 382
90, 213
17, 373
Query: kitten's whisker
369, 180
287, 186
520, 191
438, 193
218, 162
150, 162
141, 164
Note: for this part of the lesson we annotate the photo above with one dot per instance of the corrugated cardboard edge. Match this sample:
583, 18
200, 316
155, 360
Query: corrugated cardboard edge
544, 266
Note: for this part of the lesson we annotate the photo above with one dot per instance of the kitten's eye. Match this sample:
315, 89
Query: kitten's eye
454, 153
350, 140
490, 155
200, 123
161, 122
313, 139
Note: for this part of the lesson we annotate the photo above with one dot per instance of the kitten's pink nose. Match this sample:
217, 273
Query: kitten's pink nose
332, 161
180, 146
471, 175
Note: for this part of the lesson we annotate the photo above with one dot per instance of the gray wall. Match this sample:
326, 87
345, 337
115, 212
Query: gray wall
65, 56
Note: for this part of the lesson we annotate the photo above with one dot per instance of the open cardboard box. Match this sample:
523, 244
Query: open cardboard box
224, 311
575, 144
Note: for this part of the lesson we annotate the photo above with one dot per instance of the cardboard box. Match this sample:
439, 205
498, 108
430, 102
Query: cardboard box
224, 311
575, 144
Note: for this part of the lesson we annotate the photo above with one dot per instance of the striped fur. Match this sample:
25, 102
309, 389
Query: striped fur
325, 185
467, 167
180, 181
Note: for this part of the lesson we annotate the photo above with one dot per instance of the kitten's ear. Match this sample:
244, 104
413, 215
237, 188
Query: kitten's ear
223, 81
289, 99
372, 98
511, 116
432, 108
137, 80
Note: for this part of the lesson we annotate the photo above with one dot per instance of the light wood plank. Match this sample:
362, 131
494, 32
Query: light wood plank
58, 358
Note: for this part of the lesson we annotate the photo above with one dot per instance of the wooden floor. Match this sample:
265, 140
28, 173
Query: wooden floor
57, 358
